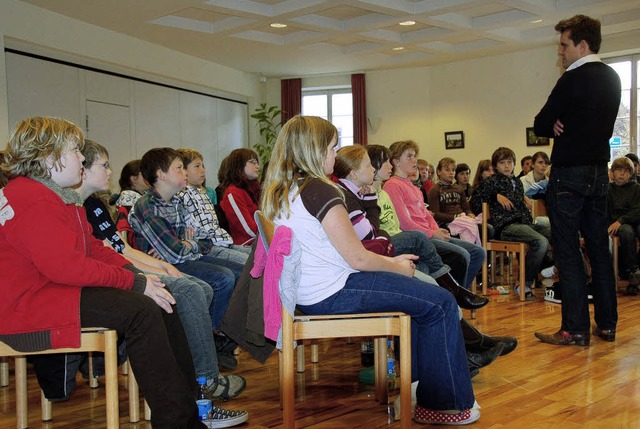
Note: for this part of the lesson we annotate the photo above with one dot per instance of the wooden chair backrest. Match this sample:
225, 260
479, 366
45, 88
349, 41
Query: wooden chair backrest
485, 228
538, 208
266, 226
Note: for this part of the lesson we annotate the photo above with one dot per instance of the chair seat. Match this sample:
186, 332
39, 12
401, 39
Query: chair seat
91, 340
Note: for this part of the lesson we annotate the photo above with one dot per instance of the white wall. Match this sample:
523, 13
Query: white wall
493, 100
36, 30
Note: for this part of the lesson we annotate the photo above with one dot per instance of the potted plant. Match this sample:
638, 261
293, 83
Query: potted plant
269, 123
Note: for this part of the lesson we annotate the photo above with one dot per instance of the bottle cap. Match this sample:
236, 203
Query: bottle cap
202, 380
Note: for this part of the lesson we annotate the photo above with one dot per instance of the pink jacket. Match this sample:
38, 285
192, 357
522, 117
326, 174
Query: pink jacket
271, 263
410, 208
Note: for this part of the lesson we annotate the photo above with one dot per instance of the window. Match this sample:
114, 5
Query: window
626, 129
334, 105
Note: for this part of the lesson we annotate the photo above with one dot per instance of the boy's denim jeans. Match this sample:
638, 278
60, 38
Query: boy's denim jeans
536, 237
193, 297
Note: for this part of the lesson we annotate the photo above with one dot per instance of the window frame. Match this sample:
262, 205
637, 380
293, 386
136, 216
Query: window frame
329, 92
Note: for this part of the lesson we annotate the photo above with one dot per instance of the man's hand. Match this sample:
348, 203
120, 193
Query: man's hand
558, 128
504, 202
156, 291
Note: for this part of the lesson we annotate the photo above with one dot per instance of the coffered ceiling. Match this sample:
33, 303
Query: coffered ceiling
337, 36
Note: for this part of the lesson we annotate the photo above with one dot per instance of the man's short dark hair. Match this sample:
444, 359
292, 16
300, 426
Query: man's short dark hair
158, 158
580, 28
525, 159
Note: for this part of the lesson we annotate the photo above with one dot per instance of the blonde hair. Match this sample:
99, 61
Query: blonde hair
189, 155
37, 139
348, 159
298, 156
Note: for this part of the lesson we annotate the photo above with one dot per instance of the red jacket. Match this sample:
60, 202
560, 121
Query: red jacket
238, 208
47, 254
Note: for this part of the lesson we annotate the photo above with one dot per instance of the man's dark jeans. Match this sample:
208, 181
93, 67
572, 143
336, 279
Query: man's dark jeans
577, 202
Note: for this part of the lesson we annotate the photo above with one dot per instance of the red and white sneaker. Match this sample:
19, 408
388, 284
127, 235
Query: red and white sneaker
433, 417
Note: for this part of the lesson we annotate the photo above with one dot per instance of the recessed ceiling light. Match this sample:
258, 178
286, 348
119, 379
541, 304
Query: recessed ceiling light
398, 48
536, 21
278, 25
407, 23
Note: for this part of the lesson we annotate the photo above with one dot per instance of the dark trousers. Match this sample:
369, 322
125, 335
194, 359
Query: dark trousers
577, 203
158, 351
628, 248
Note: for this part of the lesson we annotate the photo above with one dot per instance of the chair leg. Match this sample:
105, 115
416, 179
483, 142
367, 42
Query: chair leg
493, 267
134, 397
22, 403
300, 357
93, 380
45, 408
405, 372
522, 275
111, 378
485, 275
380, 365
287, 385
4, 371
474, 289
147, 411
314, 352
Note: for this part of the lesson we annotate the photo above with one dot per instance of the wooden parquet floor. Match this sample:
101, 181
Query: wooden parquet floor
536, 386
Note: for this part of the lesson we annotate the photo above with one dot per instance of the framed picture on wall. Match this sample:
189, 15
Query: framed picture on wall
534, 140
454, 140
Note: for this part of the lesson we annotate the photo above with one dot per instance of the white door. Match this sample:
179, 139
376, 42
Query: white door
109, 125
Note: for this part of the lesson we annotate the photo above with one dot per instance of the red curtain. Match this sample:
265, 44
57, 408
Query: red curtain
290, 98
359, 94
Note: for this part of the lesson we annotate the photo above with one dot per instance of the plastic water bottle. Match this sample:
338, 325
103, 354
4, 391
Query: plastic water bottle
391, 366
204, 404
202, 387
366, 352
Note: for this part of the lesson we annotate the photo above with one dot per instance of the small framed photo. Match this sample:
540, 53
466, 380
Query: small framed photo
454, 140
534, 140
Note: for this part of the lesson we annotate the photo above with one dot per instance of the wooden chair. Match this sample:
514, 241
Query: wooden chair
376, 325
501, 246
92, 340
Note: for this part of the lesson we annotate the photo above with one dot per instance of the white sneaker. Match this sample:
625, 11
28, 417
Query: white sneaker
548, 272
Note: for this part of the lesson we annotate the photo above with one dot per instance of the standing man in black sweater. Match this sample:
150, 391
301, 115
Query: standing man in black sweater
580, 114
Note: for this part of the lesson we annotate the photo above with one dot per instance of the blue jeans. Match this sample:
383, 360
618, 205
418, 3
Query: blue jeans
438, 357
577, 203
628, 235
473, 254
417, 243
537, 238
222, 279
233, 253
193, 297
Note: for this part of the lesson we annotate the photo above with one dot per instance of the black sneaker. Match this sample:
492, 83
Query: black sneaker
553, 293
223, 418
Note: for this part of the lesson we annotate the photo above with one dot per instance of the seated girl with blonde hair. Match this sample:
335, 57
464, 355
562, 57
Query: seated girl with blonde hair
338, 275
